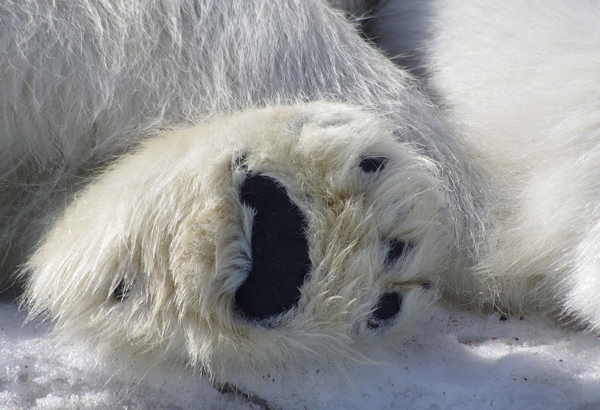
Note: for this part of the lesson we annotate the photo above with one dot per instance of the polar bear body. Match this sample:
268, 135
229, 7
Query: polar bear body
82, 83
159, 245
153, 245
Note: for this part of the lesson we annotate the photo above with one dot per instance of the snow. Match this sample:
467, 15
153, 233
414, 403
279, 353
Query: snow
459, 360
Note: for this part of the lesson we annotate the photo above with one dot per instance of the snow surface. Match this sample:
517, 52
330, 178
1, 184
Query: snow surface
458, 361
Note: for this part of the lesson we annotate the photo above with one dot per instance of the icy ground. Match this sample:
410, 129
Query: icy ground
458, 361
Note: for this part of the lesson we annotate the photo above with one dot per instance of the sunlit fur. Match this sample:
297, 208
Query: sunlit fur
143, 240
519, 80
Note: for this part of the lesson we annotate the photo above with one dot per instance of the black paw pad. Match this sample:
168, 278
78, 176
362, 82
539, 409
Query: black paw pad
387, 308
373, 164
280, 261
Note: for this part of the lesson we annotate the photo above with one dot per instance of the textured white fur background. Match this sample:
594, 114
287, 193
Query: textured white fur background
458, 361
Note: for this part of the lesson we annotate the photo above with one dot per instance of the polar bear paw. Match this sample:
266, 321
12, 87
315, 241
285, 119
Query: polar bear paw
281, 236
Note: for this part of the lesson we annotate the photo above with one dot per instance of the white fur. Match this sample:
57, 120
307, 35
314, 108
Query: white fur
519, 81
504, 216
84, 82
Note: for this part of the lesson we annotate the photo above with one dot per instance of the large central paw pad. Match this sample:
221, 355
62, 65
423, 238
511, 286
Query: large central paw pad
274, 238
280, 261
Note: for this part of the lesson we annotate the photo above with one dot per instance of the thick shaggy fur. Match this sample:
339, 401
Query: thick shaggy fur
83, 82
519, 80
146, 260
